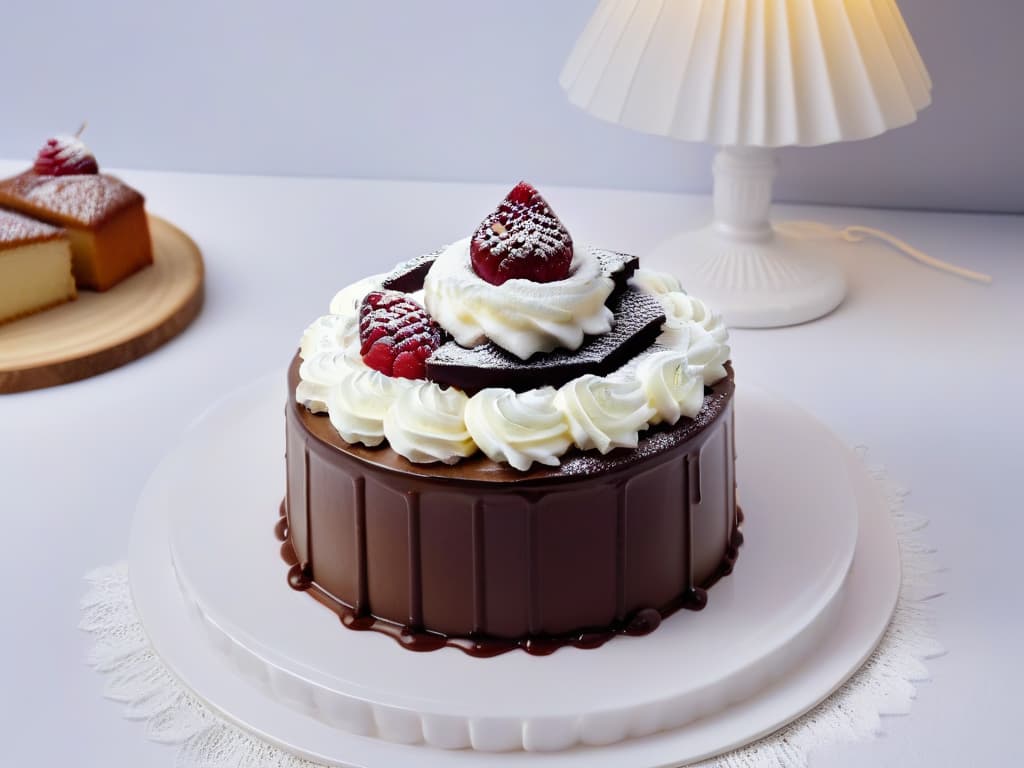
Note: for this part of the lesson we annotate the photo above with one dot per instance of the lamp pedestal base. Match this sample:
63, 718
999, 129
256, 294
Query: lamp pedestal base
789, 278
757, 275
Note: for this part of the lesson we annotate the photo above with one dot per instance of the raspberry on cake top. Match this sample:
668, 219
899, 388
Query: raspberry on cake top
553, 345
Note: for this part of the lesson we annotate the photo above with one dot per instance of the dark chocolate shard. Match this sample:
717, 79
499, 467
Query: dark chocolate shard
638, 321
618, 266
409, 275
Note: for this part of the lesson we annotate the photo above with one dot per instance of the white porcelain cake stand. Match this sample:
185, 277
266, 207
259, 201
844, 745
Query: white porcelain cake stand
785, 630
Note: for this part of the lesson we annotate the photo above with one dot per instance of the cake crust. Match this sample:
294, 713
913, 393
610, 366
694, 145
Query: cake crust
17, 230
105, 220
41, 308
85, 201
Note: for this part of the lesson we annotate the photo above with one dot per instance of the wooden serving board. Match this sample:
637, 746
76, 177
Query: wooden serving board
101, 331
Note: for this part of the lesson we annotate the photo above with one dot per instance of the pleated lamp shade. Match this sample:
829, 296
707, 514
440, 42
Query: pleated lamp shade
749, 73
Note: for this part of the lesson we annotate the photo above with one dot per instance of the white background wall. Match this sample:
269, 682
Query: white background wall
461, 90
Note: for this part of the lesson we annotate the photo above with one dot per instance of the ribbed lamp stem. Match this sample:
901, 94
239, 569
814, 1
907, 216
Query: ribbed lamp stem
743, 192
757, 275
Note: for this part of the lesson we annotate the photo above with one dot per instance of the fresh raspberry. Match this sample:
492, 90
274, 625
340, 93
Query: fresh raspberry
397, 334
64, 156
522, 238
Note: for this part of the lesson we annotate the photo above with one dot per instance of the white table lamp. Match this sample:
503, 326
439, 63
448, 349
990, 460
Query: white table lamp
749, 76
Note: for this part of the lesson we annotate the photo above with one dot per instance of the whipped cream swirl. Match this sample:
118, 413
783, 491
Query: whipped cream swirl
604, 414
357, 404
520, 316
427, 424
654, 283
330, 333
519, 429
339, 329
319, 374
674, 388
690, 326
346, 301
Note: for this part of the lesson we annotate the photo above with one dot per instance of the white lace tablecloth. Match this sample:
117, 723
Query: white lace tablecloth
885, 685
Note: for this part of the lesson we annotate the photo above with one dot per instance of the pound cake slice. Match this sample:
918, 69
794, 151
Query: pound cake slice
105, 219
35, 267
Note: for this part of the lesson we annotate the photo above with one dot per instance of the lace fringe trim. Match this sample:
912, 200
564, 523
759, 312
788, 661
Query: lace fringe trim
886, 685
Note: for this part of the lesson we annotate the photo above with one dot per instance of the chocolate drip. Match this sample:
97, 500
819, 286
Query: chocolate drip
308, 563
479, 572
687, 542
298, 578
695, 478
730, 481
643, 622
415, 566
281, 534
640, 622
620, 552
281, 529
532, 573
362, 605
288, 554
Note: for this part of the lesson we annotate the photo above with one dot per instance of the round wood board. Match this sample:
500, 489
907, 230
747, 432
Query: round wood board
101, 331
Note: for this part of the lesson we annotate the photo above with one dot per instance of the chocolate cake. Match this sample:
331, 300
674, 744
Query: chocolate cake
442, 491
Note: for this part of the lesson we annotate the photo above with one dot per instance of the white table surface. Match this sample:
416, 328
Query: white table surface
925, 369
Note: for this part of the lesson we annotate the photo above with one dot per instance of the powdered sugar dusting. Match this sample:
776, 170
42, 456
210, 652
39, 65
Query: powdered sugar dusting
85, 199
522, 238
638, 320
618, 266
16, 229
652, 442
396, 334
409, 275
64, 156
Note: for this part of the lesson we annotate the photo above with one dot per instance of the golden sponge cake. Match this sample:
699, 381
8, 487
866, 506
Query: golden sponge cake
105, 220
35, 266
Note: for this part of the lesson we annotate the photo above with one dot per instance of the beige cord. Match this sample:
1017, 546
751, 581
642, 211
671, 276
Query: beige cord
857, 233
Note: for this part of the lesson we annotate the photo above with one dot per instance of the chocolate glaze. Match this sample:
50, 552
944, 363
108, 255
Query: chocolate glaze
77, 200
484, 558
641, 622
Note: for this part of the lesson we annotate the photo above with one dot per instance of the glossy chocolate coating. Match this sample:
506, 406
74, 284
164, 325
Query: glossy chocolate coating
485, 558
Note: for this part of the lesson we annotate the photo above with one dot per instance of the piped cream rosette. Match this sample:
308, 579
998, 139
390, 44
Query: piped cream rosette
521, 316
426, 423
690, 326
